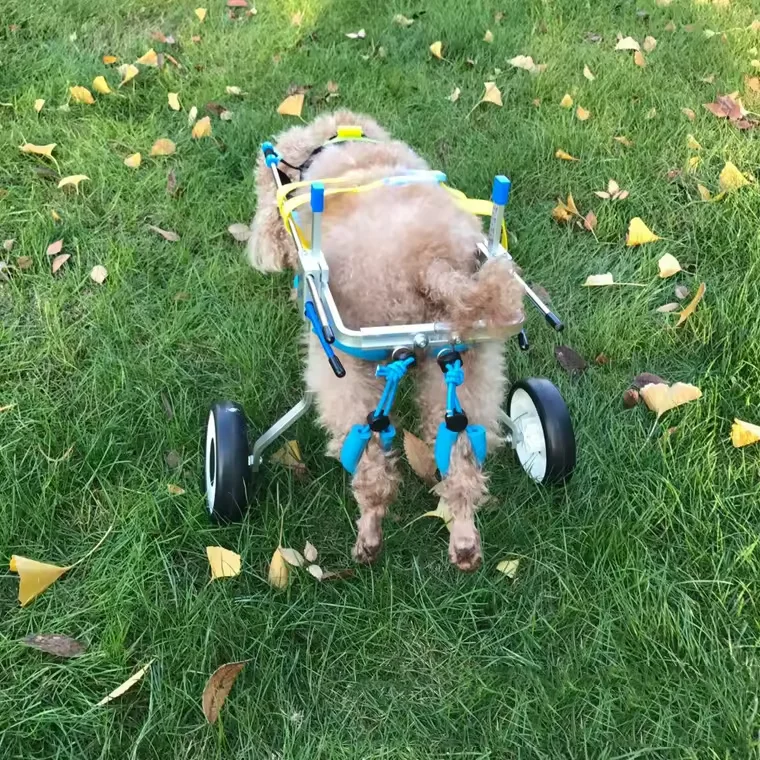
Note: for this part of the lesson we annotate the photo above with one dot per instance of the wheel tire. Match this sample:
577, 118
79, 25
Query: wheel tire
536, 401
227, 474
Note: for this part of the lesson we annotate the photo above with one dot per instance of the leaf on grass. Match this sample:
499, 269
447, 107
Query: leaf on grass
128, 72
316, 571
99, 274
173, 99
668, 266
133, 161
34, 577
588, 74
226, 115
109, 59
293, 557
681, 291
455, 93
661, 397
639, 60
360, 35
565, 211
526, 63
289, 455
691, 143
509, 567
81, 95
72, 181
192, 115
442, 512
650, 43
627, 43
567, 101
218, 688
233, 90
175, 490
689, 114
56, 644
650, 114
241, 232
310, 552
59, 261
55, 248
488, 36
744, 433
582, 114
570, 360
8, 244
202, 128
338, 575
100, 85
753, 83
692, 163
126, 686
169, 235
668, 307
437, 49
623, 140
692, 305
599, 280
492, 94
38, 104
163, 147
223, 562
278, 571
201, 14
420, 458
670, 26
38, 150
639, 233
731, 178
564, 155
589, 221
292, 105
402, 20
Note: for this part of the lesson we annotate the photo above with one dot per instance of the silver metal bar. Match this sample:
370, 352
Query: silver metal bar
275, 431
317, 299
515, 436
494, 230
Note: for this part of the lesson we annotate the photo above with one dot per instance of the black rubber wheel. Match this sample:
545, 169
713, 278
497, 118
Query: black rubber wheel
547, 451
227, 474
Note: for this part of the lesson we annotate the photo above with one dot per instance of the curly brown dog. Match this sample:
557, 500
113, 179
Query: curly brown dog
397, 255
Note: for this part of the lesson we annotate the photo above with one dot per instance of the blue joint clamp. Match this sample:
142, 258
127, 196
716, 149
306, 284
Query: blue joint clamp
501, 189
317, 197
354, 446
445, 440
271, 156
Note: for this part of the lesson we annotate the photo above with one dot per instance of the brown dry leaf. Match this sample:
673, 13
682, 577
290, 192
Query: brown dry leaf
668, 266
278, 571
488, 36
100, 85
668, 307
588, 74
661, 398
360, 35
564, 155
639, 60
169, 235
437, 49
99, 274
109, 59
692, 305
34, 577
582, 114
565, 211
173, 98
623, 140
56, 644
126, 686
456, 92
731, 178
744, 433
689, 114
293, 557
627, 43
133, 161
38, 104
59, 261
72, 181
420, 458
310, 552
128, 72
589, 221
202, 128
55, 248
508, 567
292, 105
81, 95
38, 150
567, 101
570, 360
218, 688
241, 232
200, 13
650, 43
599, 280
224, 563
639, 233
175, 490
163, 147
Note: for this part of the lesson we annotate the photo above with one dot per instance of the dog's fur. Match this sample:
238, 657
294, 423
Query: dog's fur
397, 255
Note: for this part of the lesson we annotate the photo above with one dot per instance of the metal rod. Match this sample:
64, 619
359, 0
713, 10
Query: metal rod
277, 429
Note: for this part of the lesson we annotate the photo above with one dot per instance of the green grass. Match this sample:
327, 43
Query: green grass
632, 628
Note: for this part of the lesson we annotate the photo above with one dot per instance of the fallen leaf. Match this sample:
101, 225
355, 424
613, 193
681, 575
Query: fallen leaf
81, 95
649, 44
241, 232
59, 261
731, 178
175, 490
488, 36
218, 109
196, 38
109, 59
278, 571
173, 459
223, 562
753, 83
565, 211
402, 20
682, 291
293, 557
192, 115
508, 567
639, 233
567, 101
72, 181
56, 644
316, 571
639, 60
631, 398
289, 455
128, 72
173, 99
744, 433
163, 147
226, 115
338, 575
588, 74
670, 27
442, 512
661, 398
233, 90
360, 35
437, 49
650, 114
99, 274
201, 14
454, 95
291, 106
8, 244
55, 215
169, 235
692, 305
668, 307
38, 104
55, 248
582, 114
623, 140
689, 114
589, 221
310, 552
627, 43
126, 686
570, 360
492, 94
692, 143
755, 63
564, 155
692, 163
34, 577
599, 280
202, 128
133, 161
727, 107
38, 150
668, 266
524, 62
218, 688
100, 85
420, 458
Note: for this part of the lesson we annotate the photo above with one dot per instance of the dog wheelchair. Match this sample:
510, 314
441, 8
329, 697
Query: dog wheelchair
537, 421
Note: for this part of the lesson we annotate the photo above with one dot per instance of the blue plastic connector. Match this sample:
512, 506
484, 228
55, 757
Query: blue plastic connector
271, 156
317, 197
501, 188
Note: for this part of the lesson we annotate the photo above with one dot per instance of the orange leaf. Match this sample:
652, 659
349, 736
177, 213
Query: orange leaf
108, 59
148, 59
690, 309
59, 261
133, 161
564, 155
292, 105
582, 114
202, 128
218, 687
81, 95
163, 147
34, 577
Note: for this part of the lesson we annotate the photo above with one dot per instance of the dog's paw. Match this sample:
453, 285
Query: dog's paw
464, 546
369, 542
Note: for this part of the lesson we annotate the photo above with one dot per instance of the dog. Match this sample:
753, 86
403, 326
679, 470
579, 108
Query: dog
397, 255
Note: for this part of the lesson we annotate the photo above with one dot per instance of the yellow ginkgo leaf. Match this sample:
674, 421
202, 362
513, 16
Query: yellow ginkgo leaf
224, 563
639, 233
744, 433
81, 95
639, 60
292, 105
34, 577
731, 178
692, 305
668, 266
565, 156
492, 94
38, 104
202, 128
173, 98
288, 455
693, 163
627, 43
582, 114
126, 686
108, 59
588, 74
128, 72
661, 397
442, 512
174, 489
38, 150
163, 147
691, 143
704, 193
567, 101
148, 59
509, 567
201, 14
133, 161
278, 571
599, 280
488, 36
72, 181
437, 49
100, 85
455, 93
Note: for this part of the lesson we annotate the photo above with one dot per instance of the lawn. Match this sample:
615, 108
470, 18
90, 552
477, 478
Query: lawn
631, 627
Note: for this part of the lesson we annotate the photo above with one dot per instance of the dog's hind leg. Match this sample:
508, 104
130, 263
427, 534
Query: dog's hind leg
343, 403
465, 488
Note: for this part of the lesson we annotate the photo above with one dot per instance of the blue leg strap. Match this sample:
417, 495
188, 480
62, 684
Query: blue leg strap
445, 440
354, 446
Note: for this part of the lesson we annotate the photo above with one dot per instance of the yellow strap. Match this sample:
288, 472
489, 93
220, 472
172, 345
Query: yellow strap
349, 132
